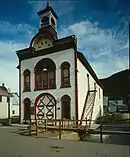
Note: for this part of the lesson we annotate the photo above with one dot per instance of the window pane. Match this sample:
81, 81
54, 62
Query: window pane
66, 81
27, 78
65, 73
45, 80
52, 79
39, 81
51, 75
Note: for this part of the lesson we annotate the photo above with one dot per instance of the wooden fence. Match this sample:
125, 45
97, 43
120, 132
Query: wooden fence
70, 125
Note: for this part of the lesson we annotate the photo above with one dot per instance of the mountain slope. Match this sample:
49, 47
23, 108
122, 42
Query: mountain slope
118, 84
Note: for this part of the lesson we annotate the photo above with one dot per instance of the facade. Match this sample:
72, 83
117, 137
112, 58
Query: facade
3, 102
14, 105
54, 78
9, 103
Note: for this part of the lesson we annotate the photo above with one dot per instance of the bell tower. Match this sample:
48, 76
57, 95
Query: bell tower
48, 20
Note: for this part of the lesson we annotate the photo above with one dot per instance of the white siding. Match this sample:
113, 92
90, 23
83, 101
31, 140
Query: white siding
58, 58
83, 88
15, 108
3, 108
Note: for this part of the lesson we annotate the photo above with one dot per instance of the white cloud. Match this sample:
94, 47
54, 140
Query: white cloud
17, 32
106, 50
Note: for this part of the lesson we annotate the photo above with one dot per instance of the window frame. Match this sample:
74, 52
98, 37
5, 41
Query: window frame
27, 73
50, 70
68, 100
65, 66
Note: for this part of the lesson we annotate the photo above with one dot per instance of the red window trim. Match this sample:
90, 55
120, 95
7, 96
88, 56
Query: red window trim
25, 74
62, 104
63, 84
27, 101
48, 81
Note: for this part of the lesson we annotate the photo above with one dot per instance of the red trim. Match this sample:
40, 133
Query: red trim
36, 101
62, 105
88, 82
65, 66
27, 85
19, 91
76, 87
27, 101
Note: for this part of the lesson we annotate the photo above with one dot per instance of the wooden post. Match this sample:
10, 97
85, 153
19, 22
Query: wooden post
36, 128
30, 128
59, 128
45, 123
101, 132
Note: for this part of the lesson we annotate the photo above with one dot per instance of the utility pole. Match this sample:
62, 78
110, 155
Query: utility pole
8, 100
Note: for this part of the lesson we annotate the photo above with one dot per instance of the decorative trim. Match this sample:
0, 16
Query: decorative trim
76, 83
62, 109
19, 91
27, 73
65, 66
38, 97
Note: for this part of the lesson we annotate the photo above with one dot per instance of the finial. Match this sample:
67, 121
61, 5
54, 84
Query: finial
47, 4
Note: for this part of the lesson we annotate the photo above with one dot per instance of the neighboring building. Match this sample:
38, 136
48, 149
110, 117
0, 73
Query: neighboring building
14, 104
8, 99
105, 105
116, 88
55, 80
3, 102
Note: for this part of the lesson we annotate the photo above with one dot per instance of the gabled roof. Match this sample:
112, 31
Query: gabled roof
84, 61
3, 91
47, 9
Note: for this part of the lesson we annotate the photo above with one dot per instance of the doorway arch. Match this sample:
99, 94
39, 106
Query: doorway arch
66, 103
45, 107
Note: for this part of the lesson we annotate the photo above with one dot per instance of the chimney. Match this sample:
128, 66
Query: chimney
3, 84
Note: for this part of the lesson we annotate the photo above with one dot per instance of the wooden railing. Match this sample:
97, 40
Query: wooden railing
71, 126
58, 124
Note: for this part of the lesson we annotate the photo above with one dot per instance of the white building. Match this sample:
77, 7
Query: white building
9, 103
3, 102
56, 81
14, 104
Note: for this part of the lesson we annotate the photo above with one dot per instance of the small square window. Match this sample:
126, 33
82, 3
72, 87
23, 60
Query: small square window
13, 112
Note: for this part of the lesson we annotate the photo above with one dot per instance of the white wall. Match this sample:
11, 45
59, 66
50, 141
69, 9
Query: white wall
83, 88
58, 58
14, 100
15, 108
4, 108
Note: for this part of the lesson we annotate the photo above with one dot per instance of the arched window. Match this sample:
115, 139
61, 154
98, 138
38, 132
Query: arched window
45, 74
65, 74
65, 100
45, 20
26, 80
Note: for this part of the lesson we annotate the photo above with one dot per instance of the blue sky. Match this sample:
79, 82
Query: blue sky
100, 26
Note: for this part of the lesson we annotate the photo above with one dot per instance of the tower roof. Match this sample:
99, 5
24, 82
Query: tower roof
47, 9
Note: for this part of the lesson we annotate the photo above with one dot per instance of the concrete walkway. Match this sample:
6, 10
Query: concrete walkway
14, 145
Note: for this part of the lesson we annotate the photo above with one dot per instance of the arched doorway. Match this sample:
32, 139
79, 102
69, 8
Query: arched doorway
27, 105
65, 100
45, 107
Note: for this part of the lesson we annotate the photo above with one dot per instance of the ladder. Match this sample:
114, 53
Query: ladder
88, 107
